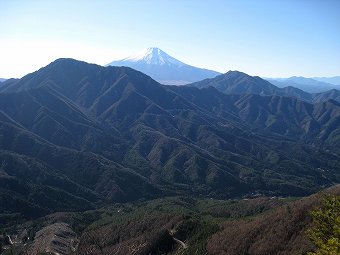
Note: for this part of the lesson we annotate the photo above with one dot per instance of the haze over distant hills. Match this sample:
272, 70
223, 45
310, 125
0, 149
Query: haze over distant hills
333, 80
168, 70
235, 82
311, 85
164, 68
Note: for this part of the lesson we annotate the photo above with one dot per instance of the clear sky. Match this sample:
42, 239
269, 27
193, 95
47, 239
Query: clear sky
270, 38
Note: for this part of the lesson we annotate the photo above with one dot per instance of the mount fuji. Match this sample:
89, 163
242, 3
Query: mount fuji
164, 68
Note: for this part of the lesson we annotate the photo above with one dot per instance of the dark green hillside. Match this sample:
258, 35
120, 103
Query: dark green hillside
291, 118
51, 169
118, 135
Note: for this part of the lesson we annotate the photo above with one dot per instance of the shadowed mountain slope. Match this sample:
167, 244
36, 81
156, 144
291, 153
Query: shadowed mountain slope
119, 135
235, 82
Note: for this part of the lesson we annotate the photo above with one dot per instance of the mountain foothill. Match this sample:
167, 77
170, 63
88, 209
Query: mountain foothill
75, 136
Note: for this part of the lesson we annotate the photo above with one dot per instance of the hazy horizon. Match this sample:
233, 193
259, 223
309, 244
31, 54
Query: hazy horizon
263, 38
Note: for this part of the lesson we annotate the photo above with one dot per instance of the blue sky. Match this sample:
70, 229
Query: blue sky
270, 38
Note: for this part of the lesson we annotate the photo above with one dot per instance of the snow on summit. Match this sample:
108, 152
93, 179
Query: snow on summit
153, 56
164, 68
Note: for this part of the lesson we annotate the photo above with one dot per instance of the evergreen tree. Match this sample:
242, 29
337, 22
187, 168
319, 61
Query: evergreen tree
325, 230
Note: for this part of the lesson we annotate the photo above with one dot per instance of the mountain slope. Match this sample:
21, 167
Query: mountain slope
120, 135
234, 82
279, 115
164, 68
333, 94
281, 231
87, 169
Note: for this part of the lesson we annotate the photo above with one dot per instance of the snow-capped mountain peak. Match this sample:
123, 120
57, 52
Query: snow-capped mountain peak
153, 56
164, 68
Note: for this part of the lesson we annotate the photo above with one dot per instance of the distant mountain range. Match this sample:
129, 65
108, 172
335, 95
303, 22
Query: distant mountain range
235, 82
2, 79
332, 80
168, 70
164, 68
75, 135
311, 85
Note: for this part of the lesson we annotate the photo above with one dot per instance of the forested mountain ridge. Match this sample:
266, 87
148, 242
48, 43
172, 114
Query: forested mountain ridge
235, 82
118, 135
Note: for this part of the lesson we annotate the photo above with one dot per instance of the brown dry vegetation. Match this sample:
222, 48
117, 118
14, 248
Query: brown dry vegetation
280, 232
147, 235
260, 226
